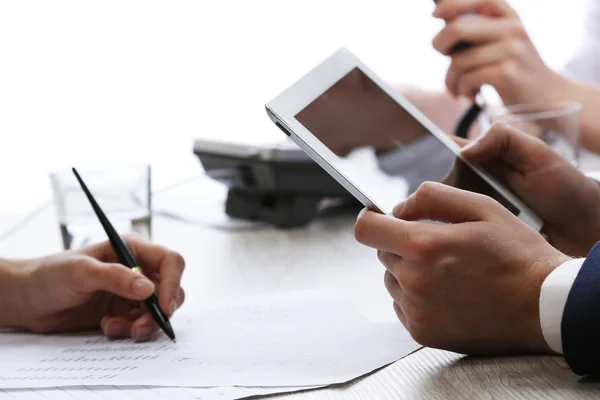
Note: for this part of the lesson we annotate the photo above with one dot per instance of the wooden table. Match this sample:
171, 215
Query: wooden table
223, 264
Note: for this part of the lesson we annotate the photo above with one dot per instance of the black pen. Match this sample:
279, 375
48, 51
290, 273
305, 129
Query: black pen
128, 259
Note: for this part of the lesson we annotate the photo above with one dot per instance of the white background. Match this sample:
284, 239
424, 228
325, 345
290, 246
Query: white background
106, 80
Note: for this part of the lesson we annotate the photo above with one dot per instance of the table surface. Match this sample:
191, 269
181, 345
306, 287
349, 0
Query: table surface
224, 263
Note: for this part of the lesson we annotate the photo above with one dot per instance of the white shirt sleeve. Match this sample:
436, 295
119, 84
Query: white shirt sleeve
585, 65
553, 297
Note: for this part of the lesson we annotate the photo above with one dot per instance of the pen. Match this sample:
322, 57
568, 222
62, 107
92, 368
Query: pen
127, 259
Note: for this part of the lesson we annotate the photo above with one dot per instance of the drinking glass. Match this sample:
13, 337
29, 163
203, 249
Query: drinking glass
556, 123
123, 192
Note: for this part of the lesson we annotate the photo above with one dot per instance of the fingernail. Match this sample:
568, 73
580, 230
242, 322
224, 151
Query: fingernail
142, 333
172, 307
142, 287
360, 214
113, 329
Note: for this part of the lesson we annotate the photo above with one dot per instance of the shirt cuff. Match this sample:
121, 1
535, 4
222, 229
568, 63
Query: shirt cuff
595, 175
553, 297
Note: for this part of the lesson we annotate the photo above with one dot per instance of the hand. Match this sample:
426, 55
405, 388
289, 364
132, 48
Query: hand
565, 199
470, 286
88, 289
503, 55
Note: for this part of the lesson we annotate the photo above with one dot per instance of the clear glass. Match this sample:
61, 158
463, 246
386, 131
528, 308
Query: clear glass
123, 191
556, 123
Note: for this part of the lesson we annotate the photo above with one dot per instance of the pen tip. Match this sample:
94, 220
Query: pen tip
174, 340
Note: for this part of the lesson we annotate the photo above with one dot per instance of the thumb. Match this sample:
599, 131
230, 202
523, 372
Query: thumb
516, 149
442, 203
93, 276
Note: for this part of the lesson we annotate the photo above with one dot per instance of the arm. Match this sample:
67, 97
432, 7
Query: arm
589, 97
11, 277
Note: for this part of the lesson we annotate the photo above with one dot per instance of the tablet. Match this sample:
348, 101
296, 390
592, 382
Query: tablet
341, 106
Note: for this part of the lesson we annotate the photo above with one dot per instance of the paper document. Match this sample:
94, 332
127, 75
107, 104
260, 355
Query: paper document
301, 339
141, 393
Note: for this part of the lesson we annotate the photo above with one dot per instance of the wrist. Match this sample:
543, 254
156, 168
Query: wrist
560, 88
536, 342
13, 276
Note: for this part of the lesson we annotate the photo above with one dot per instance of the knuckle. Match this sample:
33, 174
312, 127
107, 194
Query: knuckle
418, 316
82, 269
179, 260
516, 28
425, 191
449, 81
387, 259
508, 72
418, 284
486, 201
78, 262
381, 255
455, 30
389, 281
461, 61
516, 48
421, 246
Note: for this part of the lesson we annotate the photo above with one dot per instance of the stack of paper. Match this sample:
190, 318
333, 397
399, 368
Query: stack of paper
265, 345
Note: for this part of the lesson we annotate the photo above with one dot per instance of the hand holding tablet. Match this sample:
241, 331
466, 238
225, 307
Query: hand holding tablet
341, 105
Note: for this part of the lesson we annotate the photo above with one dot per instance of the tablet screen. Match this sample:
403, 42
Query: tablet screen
355, 113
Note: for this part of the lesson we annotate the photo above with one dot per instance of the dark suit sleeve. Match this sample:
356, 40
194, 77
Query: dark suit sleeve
580, 326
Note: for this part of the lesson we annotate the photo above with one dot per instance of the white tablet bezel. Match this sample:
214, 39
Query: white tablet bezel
284, 108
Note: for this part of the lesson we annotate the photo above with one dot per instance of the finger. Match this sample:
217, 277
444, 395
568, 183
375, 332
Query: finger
476, 30
462, 142
395, 291
149, 255
168, 264
392, 286
390, 261
180, 298
496, 75
117, 327
384, 232
438, 202
121, 306
89, 275
400, 314
143, 328
450, 9
155, 260
479, 57
519, 151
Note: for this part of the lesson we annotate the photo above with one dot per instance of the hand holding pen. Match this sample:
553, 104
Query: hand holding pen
501, 54
128, 259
